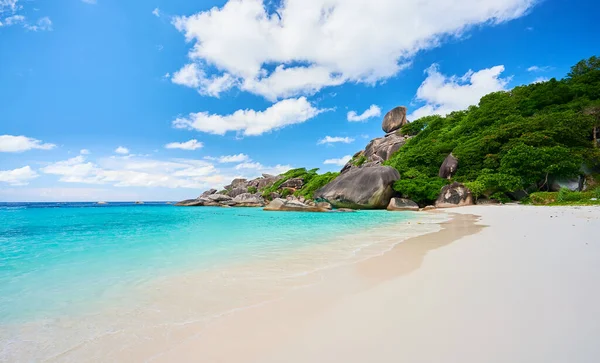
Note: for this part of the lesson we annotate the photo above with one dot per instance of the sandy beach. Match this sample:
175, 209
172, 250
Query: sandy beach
497, 284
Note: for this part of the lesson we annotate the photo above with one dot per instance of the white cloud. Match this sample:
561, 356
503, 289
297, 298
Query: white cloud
443, 94
251, 122
191, 75
20, 176
15, 19
156, 12
258, 167
304, 45
538, 69
334, 139
340, 162
43, 24
540, 80
372, 111
192, 144
128, 171
89, 1
84, 152
8, 6
122, 150
10, 143
233, 158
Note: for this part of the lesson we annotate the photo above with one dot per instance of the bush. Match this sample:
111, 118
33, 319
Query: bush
418, 187
252, 190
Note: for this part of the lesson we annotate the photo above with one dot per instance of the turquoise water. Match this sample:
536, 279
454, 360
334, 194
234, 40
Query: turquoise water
61, 259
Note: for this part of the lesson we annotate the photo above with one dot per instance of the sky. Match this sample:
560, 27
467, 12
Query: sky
118, 100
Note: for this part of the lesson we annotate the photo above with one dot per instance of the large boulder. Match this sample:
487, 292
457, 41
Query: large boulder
362, 188
293, 183
219, 198
384, 147
248, 200
293, 205
207, 193
394, 119
189, 203
448, 167
237, 183
454, 195
377, 151
266, 181
573, 184
402, 204
237, 191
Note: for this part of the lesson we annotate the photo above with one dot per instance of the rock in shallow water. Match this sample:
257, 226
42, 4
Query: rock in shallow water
291, 206
402, 204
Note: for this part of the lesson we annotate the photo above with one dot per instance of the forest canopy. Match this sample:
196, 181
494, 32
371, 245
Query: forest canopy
512, 141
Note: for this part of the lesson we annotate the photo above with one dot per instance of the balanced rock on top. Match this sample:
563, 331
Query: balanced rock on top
394, 119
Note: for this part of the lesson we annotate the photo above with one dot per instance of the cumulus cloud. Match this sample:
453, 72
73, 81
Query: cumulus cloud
334, 139
122, 150
444, 94
192, 144
538, 69
135, 171
20, 176
301, 46
233, 158
251, 122
15, 144
339, 162
258, 167
372, 111
191, 75
15, 19
43, 24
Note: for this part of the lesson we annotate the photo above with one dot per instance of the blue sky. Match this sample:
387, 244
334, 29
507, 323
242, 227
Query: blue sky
194, 93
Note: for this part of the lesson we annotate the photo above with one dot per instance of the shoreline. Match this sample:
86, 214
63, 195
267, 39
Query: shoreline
233, 338
495, 292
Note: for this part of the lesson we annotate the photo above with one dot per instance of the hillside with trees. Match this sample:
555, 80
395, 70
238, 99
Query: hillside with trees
510, 145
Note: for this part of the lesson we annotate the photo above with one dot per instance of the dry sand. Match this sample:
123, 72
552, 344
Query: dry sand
519, 285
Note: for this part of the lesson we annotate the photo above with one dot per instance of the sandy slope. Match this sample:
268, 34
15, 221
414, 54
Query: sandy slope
523, 289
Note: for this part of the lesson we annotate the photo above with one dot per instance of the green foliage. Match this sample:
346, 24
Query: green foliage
511, 141
252, 190
312, 182
565, 197
501, 197
358, 161
418, 187
316, 183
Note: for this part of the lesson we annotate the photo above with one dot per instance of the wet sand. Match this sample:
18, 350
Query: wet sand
517, 284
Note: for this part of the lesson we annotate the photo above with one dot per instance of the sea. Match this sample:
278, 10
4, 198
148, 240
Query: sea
76, 278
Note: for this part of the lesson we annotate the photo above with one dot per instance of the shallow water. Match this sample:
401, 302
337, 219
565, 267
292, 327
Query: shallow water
74, 277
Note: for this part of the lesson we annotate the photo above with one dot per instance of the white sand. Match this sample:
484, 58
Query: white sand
524, 289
